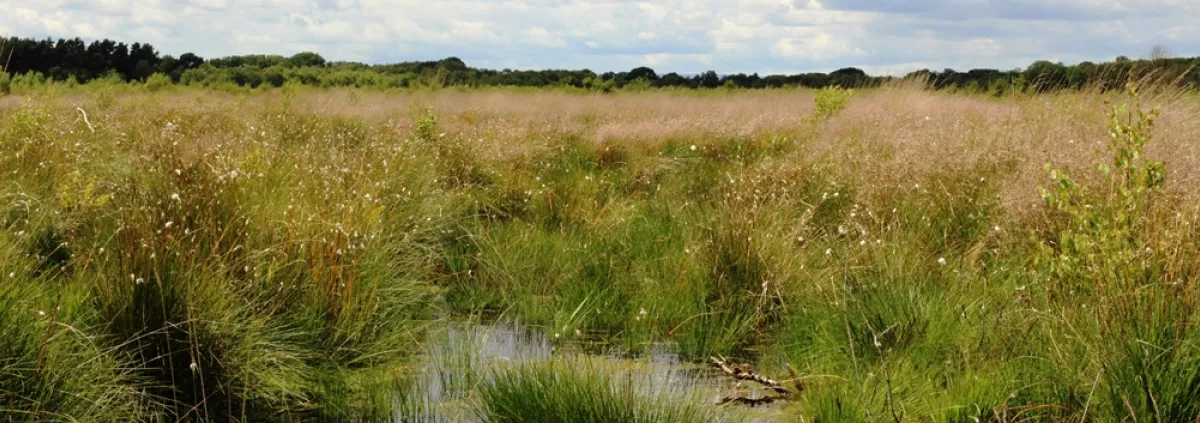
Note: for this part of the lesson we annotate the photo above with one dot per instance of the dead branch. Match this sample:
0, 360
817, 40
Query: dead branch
85, 119
744, 374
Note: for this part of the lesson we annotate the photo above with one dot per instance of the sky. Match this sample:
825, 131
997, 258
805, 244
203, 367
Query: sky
885, 37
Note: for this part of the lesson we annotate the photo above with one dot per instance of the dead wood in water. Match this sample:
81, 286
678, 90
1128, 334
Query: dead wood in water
746, 374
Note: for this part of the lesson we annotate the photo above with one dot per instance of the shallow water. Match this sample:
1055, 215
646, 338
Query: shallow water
459, 355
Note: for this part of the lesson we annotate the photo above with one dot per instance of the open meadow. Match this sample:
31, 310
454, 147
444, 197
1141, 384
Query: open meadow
890, 254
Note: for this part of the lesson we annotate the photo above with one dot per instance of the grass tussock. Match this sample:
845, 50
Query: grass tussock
567, 391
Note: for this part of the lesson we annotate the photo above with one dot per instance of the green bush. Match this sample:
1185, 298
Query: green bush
426, 127
158, 82
830, 101
1105, 228
1108, 253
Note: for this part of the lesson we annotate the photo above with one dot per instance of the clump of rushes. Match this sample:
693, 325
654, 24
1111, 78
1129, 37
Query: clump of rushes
53, 365
570, 391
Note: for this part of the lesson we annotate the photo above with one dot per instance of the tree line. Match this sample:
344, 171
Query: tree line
78, 61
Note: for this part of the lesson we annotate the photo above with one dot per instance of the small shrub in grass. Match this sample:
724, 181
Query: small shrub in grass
578, 391
158, 82
289, 91
426, 126
1106, 228
1129, 311
830, 101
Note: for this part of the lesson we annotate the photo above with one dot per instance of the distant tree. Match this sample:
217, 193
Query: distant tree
1158, 53
849, 77
672, 80
1079, 75
190, 61
919, 74
67, 60
142, 62
642, 73
453, 64
305, 59
1045, 75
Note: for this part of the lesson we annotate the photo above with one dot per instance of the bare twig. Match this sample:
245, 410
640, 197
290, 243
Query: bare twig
7, 60
1089, 399
744, 374
85, 119
1132, 413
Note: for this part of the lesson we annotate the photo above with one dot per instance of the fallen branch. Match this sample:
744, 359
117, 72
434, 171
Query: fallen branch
85, 119
743, 374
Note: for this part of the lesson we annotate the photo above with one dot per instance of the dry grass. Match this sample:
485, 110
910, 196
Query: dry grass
886, 136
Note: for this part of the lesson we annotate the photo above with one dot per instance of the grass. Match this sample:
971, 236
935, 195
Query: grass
188, 255
570, 391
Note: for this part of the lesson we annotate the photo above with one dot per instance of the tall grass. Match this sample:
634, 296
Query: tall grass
225, 283
572, 391
52, 365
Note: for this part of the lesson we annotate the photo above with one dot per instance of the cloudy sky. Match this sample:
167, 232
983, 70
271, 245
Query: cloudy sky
766, 36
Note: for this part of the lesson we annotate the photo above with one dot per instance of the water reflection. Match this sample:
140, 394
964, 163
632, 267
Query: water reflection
460, 356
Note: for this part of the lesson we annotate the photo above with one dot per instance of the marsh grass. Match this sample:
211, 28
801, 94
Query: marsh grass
275, 256
51, 367
566, 390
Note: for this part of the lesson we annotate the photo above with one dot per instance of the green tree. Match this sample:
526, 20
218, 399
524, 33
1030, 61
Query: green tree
643, 73
305, 59
1045, 75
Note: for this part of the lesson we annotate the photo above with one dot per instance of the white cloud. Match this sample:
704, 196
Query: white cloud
669, 35
539, 36
819, 46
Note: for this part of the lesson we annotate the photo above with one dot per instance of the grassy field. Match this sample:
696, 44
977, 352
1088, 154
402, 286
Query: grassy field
914, 256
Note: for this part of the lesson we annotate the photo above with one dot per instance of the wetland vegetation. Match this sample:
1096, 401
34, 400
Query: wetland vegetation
894, 254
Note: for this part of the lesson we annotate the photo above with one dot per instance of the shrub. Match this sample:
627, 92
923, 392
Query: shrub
158, 82
1106, 254
426, 124
1104, 233
830, 101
